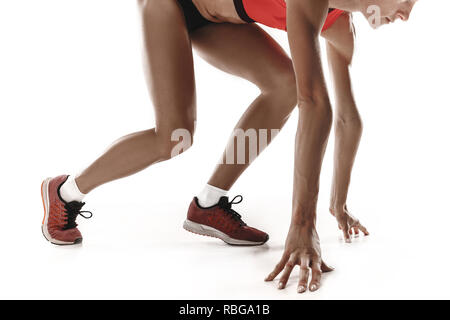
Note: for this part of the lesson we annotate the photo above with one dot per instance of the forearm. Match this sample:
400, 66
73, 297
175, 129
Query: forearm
348, 125
348, 130
304, 20
314, 126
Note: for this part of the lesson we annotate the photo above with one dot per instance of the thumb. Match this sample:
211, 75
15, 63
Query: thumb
326, 268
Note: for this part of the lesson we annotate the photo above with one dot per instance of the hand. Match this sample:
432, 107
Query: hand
302, 248
347, 223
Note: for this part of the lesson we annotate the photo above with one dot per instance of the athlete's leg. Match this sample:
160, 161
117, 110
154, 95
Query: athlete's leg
249, 52
171, 84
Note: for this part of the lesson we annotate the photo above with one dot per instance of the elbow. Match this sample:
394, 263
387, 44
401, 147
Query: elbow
313, 95
316, 102
316, 114
349, 122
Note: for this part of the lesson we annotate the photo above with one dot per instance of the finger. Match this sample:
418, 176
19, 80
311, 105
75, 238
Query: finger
304, 274
303, 282
355, 231
287, 272
278, 268
325, 268
316, 276
305, 260
363, 229
345, 231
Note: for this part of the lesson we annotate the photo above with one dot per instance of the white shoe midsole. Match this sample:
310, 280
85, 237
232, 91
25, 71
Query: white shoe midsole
209, 231
46, 201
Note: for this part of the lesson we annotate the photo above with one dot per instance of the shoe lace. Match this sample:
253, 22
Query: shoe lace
226, 206
73, 209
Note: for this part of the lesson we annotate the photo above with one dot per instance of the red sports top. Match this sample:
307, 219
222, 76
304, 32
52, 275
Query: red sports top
272, 13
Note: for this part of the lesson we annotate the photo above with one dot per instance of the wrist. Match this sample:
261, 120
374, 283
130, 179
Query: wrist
337, 206
306, 221
308, 229
339, 192
304, 214
304, 232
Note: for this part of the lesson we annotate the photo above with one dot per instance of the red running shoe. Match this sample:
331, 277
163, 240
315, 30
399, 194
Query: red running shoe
220, 221
59, 226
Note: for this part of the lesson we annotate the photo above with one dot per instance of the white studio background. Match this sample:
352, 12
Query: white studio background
71, 82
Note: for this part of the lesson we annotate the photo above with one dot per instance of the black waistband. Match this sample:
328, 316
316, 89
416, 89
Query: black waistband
241, 11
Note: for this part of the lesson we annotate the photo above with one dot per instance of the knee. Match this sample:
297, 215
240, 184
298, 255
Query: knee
176, 141
282, 86
281, 93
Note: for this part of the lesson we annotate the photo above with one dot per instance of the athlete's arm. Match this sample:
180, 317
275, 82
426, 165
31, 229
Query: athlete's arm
304, 23
348, 124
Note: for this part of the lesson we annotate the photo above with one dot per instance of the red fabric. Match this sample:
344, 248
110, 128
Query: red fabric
272, 13
332, 18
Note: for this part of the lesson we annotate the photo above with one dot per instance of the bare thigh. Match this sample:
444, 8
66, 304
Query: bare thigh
170, 71
249, 52
245, 50
170, 75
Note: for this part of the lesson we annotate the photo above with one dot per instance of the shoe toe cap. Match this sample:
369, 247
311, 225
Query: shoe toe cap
70, 236
255, 235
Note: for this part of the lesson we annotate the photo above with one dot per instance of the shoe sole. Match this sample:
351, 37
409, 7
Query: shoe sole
204, 230
46, 203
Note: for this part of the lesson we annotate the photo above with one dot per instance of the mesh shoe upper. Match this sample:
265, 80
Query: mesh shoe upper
61, 223
223, 218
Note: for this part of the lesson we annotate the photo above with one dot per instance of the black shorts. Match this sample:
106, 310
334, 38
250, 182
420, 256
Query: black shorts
194, 19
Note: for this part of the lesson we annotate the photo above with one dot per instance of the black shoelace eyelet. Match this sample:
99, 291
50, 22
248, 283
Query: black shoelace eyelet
226, 206
73, 209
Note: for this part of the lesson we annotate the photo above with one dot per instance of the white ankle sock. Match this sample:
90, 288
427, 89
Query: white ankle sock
210, 196
69, 190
